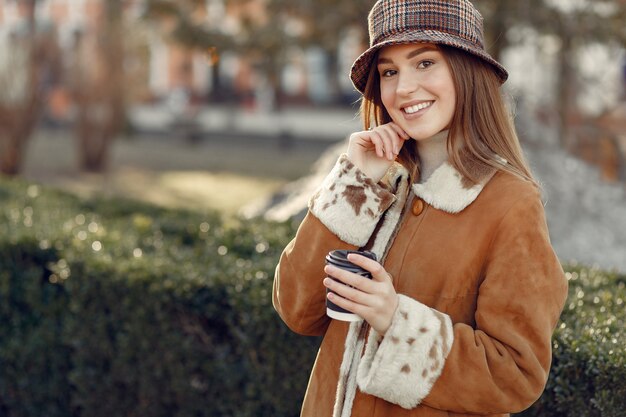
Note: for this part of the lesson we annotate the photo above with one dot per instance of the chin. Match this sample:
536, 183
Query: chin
423, 134
419, 132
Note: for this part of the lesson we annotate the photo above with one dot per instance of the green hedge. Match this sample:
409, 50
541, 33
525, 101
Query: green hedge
588, 374
112, 307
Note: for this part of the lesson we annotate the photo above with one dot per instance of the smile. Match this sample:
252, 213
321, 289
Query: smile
417, 107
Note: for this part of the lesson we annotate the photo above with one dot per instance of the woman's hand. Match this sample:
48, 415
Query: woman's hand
373, 151
374, 300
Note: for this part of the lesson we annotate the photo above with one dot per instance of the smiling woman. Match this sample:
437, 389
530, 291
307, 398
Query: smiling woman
417, 89
459, 313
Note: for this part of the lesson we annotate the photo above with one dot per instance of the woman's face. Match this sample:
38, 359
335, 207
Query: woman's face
416, 88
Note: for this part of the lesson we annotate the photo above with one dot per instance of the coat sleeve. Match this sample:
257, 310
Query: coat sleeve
499, 366
343, 214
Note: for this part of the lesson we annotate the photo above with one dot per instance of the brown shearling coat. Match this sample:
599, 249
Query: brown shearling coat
479, 285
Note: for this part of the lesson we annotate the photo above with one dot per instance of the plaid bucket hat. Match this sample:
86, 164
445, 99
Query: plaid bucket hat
455, 23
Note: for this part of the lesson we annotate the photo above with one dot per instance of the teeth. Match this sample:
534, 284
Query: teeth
417, 107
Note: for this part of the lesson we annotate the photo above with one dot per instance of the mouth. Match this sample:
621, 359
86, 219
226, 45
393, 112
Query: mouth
417, 107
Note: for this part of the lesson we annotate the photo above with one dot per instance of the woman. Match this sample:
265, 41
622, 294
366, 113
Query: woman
458, 317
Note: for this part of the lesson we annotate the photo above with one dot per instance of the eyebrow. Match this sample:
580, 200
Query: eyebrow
410, 55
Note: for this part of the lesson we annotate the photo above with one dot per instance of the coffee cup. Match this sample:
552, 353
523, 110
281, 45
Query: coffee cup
339, 258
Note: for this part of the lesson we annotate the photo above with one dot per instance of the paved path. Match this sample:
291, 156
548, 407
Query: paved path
310, 124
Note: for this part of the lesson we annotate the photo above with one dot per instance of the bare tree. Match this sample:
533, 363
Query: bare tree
573, 24
27, 69
97, 80
177, 22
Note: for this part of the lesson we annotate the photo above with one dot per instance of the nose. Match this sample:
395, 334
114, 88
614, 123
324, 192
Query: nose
407, 84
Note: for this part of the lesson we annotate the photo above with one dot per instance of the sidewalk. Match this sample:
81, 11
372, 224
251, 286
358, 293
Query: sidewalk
298, 123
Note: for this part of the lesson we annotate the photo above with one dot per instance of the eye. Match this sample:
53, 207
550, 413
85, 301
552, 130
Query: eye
387, 72
425, 64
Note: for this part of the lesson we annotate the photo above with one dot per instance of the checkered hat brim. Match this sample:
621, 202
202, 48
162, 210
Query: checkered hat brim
454, 23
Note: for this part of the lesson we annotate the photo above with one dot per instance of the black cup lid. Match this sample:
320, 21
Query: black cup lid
340, 257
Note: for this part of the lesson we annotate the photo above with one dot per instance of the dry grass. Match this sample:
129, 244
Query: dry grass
225, 175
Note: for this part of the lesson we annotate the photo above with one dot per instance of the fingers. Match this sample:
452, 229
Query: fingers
373, 300
349, 305
401, 133
376, 269
359, 299
349, 278
387, 140
378, 142
349, 293
349, 284
390, 140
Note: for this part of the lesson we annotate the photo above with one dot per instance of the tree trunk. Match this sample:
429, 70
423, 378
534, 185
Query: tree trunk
216, 82
332, 70
11, 154
496, 30
100, 98
17, 120
565, 92
15, 135
274, 79
94, 138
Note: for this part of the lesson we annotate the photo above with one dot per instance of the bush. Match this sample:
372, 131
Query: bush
588, 374
113, 307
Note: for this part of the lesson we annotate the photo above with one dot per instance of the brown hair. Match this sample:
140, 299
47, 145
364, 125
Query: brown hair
482, 127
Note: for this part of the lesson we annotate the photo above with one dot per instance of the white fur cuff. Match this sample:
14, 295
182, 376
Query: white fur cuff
349, 203
403, 366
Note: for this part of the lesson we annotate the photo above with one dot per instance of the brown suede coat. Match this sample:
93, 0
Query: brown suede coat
475, 269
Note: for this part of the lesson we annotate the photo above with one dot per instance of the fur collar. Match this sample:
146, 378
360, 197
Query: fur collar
446, 189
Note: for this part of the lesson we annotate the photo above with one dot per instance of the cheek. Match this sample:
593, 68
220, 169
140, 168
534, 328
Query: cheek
448, 94
452, 95
387, 96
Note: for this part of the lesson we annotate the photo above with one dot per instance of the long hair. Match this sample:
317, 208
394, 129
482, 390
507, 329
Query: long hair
482, 130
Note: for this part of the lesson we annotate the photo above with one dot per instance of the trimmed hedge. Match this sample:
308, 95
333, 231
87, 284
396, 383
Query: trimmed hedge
113, 307
588, 374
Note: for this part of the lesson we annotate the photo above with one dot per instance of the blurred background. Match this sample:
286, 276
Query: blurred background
242, 105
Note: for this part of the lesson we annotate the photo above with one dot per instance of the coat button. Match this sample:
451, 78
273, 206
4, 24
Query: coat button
418, 206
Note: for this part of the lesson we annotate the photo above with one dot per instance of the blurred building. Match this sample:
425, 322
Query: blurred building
21, 42
159, 69
170, 67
